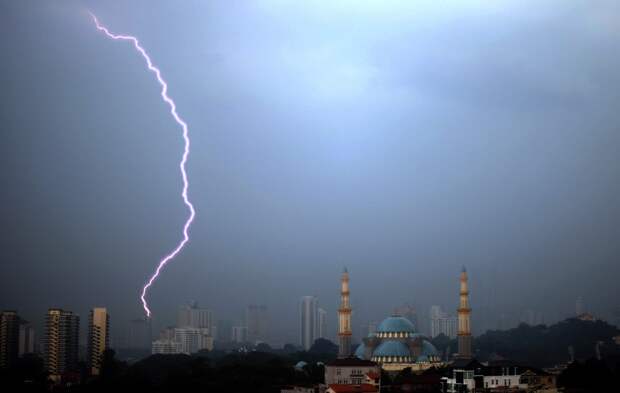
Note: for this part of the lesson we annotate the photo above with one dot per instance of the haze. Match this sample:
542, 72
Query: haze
400, 139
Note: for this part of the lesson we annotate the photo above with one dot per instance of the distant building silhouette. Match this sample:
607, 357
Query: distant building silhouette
308, 321
322, 333
239, 334
140, 333
61, 342
224, 330
257, 323
9, 338
442, 323
193, 316
98, 338
27, 338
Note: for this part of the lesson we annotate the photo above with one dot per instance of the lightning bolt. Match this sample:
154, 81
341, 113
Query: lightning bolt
183, 125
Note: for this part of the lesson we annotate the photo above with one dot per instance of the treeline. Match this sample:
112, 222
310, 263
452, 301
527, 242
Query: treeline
260, 370
541, 345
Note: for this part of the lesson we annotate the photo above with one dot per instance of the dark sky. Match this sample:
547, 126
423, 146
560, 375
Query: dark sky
401, 139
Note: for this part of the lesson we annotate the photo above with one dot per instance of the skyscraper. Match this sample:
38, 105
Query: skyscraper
98, 338
140, 333
464, 316
193, 339
239, 334
257, 322
308, 321
193, 316
9, 338
322, 323
442, 323
344, 318
61, 342
26, 338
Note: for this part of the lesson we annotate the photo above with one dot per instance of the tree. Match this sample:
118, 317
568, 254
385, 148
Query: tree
323, 346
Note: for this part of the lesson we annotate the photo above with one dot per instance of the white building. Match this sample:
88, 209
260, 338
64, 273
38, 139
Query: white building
193, 340
352, 371
443, 323
166, 347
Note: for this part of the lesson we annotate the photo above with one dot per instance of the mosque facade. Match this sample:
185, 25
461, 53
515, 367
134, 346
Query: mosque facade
395, 345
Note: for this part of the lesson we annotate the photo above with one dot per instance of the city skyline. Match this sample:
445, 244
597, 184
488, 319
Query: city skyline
310, 197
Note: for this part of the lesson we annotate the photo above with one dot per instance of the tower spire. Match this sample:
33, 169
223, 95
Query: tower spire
344, 318
464, 316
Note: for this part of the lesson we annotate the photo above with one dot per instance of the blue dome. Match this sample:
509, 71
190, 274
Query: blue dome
395, 325
359, 352
392, 348
429, 349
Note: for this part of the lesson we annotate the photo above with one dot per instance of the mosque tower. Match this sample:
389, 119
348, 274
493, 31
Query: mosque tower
464, 314
344, 318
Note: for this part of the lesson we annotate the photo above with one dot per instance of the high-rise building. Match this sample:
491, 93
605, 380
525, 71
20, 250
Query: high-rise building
98, 338
27, 338
442, 323
257, 323
344, 318
61, 342
193, 339
166, 347
308, 321
322, 323
239, 334
140, 334
193, 316
464, 316
9, 338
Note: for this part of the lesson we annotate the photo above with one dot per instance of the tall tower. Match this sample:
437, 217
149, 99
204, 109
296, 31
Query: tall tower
61, 342
308, 321
9, 338
98, 338
344, 318
464, 316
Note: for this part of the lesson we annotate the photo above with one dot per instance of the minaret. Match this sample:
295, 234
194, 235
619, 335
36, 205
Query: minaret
464, 313
344, 318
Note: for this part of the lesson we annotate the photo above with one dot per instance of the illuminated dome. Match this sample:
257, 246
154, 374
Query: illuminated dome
395, 327
391, 351
395, 345
360, 351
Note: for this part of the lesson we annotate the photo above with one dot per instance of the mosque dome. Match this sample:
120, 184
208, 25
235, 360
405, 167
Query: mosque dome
395, 327
360, 351
392, 351
428, 349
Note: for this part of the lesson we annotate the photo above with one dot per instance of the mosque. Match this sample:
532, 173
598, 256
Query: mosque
395, 345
